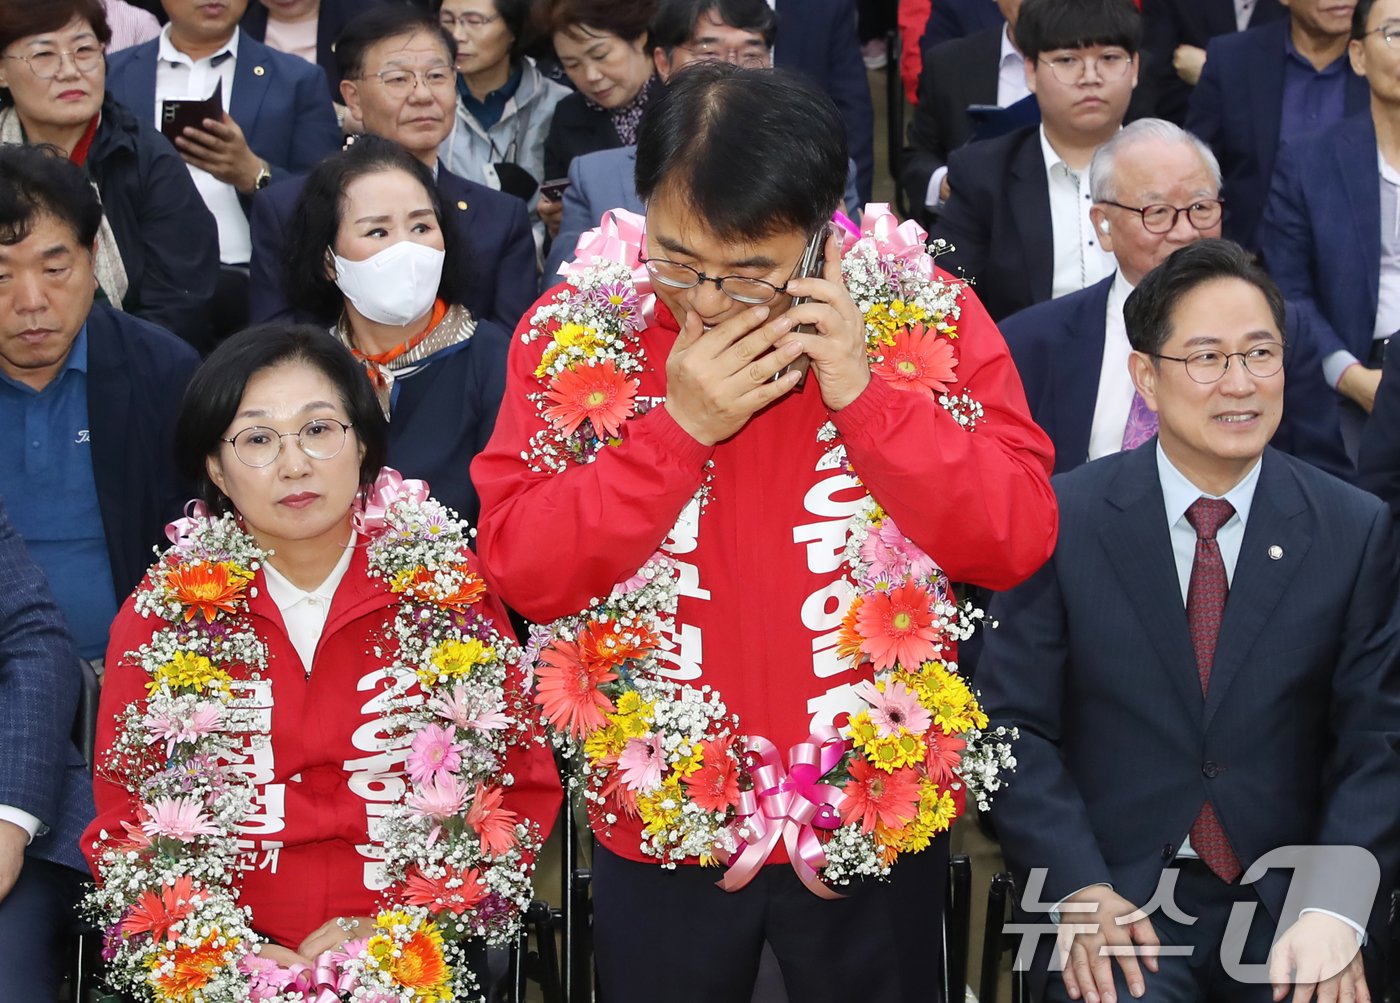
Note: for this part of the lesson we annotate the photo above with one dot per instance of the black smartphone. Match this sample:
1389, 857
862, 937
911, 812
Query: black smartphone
179, 114
553, 191
811, 266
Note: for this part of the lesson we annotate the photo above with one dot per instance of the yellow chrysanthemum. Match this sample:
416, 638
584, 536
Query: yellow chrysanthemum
689, 759
893, 751
661, 809
454, 659
862, 729
187, 670
604, 742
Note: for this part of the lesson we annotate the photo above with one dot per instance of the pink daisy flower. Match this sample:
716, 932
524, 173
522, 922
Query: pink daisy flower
457, 707
433, 753
641, 762
177, 818
441, 797
898, 707
176, 730
892, 557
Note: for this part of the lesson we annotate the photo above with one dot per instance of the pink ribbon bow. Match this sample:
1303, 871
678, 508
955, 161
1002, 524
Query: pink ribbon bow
618, 238
178, 532
371, 512
906, 241
788, 804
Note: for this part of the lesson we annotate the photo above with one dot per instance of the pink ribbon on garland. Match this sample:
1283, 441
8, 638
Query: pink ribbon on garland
618, 239
907, 241
787, 803
178, 532
371, 512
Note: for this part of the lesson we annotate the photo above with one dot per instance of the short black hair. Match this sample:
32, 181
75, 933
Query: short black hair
316, 220
1148, 312
1359, 16
218, 385
38, 181
1047, 25
385, 21
675, 20
753, 152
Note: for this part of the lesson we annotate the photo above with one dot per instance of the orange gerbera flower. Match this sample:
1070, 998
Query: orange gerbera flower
157, 913
606, 644
715, 786
596, 392
421, 967
897, 627
207, 588
849, 641
194, 967
424, 586
567, 689
874, 796
918, 360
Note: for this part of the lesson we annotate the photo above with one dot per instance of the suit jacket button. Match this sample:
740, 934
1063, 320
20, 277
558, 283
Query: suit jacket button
1210, 770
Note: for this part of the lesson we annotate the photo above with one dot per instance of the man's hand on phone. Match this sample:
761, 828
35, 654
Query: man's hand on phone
836, 346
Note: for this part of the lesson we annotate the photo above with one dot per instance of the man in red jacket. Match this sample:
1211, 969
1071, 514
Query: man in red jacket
739, 170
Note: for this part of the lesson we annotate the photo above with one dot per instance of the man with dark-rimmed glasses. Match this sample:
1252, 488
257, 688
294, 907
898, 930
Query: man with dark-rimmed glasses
1156, 190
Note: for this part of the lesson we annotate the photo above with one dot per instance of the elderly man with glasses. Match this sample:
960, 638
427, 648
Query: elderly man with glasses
1156, 189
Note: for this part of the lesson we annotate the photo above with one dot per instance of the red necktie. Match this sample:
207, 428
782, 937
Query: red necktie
1205, 606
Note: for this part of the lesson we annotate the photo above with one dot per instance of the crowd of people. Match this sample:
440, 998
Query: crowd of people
405, 402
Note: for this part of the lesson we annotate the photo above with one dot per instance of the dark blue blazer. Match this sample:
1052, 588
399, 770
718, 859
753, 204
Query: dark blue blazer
1058, 348
950, 19
998, 221
331, 17
282, 103
1295, 742
1378, 466
44, 773
137, 374
818, 39
499, 273
1167, 24
1237, 108
1321, 233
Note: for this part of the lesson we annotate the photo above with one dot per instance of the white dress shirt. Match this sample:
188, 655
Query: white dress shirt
304, 612
23, 819
1243, 10
1011, 87
179, 77
1080, 259
1115, 396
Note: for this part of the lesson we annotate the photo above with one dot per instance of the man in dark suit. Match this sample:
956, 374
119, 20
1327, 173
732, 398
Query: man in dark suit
278, 120
1326, 236
1176, 33
88, 399
818, 39
1264, 88
1018, 214
500, 273
1204, 672
45, 790
1156, 189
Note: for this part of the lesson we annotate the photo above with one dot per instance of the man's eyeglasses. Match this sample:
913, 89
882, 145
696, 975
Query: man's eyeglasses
47, 64
1389, 32
1070, 67
736, 287
1202, 214
471, 21
319, 438
752, 58
1209, 366
401, 83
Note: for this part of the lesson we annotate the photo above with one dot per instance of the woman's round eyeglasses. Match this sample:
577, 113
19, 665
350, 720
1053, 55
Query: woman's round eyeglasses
319, 438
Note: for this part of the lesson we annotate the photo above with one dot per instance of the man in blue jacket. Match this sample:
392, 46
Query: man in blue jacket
88, 398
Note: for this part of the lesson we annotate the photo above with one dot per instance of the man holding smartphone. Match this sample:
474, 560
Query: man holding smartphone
728, 471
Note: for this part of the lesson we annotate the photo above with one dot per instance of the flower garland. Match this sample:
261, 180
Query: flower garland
845, 803
458, 863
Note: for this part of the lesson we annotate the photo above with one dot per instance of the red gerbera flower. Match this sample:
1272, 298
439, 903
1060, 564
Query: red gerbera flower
943, 755
715, 786
918, 360
898, 627
606, 644
436, 895
872, 795
492, 823
158, 913
597, 392
568, 691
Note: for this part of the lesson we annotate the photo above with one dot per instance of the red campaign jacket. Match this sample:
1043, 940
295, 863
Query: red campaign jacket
306, 866
761, 583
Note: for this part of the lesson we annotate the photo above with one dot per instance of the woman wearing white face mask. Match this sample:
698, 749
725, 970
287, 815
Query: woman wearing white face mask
367, 239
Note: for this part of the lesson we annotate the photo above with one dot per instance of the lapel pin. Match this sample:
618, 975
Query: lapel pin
258, 71
1275, 552
462, 206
